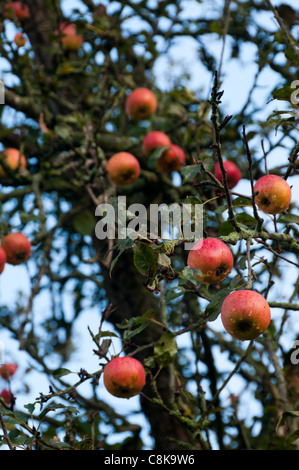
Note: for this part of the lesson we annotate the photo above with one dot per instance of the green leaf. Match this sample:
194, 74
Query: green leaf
165, 350
288, 219
189, 274
283, 94
128, 334
214, 307
174, 293
60, 373
30, 407
84, 223
190, 171
225, 229
145, 260
155, 156
164, 260
241, 201
246, 219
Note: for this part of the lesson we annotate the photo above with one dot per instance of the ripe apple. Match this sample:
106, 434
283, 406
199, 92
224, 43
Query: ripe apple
153, 140
6, 395
123, 168
8, 370
245, 314
2, 260
233, 173
213, 258
20, 40
14, 160
71, 41
124, 377
141, 104
172, 159
17, 10
274, 194
17, 248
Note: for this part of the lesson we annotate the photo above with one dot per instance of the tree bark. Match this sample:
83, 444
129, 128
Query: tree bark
126, 292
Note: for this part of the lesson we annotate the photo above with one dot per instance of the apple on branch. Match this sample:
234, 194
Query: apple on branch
233, 173
141, 104
273, 194
17, 10
20, 40
70, 40
2, 260
17, 248
245, 314
124, 377
154, 140
123, 168
213, 258
6, 395
14, 160
172, 159
8, 370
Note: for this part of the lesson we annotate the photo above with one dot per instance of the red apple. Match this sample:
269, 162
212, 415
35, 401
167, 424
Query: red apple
245, 314
14, 160
16, 10
172, 159
20, 40
153, 140
71, 41
17, 248
233, 174
141, 104
124, 377
2, 260
6, 395
274, 194
213, 258
8, 370
123, 168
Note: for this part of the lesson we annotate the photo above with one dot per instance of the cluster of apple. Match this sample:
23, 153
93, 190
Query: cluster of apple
15, 247
70, 40
123, 168
6, 372
245, 314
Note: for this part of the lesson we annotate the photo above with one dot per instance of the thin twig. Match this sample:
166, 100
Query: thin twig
260, 221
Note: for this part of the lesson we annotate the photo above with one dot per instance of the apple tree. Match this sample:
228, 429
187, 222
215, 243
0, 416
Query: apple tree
219, 374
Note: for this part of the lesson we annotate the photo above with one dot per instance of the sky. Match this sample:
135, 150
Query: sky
237, 79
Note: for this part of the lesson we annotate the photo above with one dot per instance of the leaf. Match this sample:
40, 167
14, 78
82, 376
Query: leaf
242, 201
30, 407
145, 260
155, 156
226, 228
246, 219
190, 171
174, 293
283, 94
60, 373
214, 307
189, 274
84, 223
164, 260
285, 416
288, 219
128, 334
165, 350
